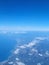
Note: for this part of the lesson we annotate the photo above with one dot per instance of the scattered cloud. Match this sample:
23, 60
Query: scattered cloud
17, 59
16, 51
41, 38
34, 50
10, 62
22, 28
30, 44
20, 63
47, 53
31, 48
38, 63
22, 46
40, 54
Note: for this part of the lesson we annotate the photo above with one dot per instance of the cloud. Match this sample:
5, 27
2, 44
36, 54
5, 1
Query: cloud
35, 41
17, 59
3, 32
47, 53
22, 32
32, 49
38, 63
16, 51
41, 38
20, 63
28, 45
31, 44
10, 62
22, 28
22, 47
16, 28
40, 54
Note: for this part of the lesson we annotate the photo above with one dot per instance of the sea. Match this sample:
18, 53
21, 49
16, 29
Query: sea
8, 41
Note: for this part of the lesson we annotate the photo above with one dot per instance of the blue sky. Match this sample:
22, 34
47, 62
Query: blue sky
24, 14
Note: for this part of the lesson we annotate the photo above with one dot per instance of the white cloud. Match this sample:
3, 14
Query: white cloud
22, 47
17, 59
41, 38
34, 50
23, 28
34, 42
30, 44
38, 63
37, 40
20, 63
40, 54
10, 62
47, 53
16, 51
4, 32
22, 32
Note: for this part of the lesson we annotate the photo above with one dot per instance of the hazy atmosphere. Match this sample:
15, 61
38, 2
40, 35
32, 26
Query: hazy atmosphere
24, 14
24, 32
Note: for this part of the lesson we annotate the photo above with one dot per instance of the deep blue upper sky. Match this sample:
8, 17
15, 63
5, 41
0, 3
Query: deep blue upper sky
25, 13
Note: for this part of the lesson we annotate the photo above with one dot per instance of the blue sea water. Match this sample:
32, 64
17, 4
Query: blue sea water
9, 41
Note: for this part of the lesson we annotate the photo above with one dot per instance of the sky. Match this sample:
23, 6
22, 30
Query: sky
24, 15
